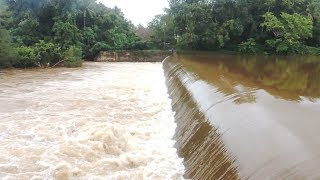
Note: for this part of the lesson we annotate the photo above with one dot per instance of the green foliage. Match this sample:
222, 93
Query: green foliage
27, 57
312, 50
252, 26
272, 23
73, 57
229, 30
43, 30
47, 53
280, 46
7, 54
250, 46
26, 32
41, 54
89, 40
162, 31
188, 41
100, 46
298, 27
289, 31
5, 15
66, 34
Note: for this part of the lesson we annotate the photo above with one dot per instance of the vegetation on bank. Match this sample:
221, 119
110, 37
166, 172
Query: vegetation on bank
47, 32
247, 26
54, 32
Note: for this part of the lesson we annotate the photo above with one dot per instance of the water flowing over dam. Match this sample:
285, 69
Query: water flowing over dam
246, 117
202, 116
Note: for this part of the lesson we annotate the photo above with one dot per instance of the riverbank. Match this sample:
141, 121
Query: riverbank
101, 121
105, 56
132, 56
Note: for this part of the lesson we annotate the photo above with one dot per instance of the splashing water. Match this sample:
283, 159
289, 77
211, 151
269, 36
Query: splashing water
103, 121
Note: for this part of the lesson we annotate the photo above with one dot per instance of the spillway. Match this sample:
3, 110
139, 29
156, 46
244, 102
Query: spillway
197, 116
235, 121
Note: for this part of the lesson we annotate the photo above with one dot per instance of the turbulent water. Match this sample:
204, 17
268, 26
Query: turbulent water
235, 117
103, 121
246, 117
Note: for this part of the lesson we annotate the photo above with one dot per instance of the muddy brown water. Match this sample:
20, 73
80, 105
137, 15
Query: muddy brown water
246, 117
102, 121
235, 117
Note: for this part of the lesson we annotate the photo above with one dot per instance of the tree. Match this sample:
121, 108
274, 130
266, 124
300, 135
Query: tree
289, 31
44, 30
143, 32
260, 25
162, 31
7, 55
72, 57
66, 34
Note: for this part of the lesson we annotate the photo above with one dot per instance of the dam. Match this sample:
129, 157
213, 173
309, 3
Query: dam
246, 117
193, 116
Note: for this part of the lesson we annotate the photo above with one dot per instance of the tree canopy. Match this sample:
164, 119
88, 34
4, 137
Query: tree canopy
41, 32
249, 26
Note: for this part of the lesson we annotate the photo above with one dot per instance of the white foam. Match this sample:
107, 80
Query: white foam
106, 121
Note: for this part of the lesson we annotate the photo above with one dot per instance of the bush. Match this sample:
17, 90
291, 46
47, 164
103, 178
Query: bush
27, 57
72, 57
249, 46
98, 47
313, 50
47, 52
41, 54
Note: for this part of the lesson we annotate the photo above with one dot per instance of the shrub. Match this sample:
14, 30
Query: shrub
249, 46
98, 47
41, 54
72, 57
27, 57
313, 50
47, 52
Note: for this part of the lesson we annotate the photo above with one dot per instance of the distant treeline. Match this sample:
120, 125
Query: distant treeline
248, 26
47, 32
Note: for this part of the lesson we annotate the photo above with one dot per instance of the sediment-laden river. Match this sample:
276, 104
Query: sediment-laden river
246, 117
102, 121
235, 117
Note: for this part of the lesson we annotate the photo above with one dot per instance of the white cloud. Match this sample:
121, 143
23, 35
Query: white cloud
138, 11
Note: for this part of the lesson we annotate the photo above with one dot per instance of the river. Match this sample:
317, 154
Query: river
102, 121
220, 117
246, 117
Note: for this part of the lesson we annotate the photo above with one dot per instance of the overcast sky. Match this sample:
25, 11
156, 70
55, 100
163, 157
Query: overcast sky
138, 11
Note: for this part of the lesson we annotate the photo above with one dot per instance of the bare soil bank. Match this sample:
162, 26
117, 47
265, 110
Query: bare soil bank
132, 56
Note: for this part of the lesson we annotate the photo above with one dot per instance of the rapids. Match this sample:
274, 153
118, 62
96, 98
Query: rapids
102, 121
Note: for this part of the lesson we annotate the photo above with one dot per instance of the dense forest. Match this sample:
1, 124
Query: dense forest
46, 32
248, 26
50, 32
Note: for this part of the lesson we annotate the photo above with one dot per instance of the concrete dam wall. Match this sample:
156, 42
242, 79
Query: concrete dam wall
232, 127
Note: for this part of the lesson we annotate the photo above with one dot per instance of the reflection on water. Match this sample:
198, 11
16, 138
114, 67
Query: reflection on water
103, 121
246, 117
289, 78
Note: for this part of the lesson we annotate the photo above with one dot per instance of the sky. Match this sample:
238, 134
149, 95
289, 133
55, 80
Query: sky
138, 11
